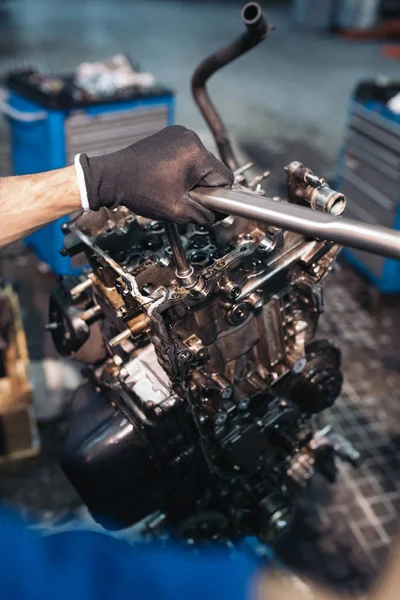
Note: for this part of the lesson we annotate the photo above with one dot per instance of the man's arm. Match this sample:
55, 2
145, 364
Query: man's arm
152, 178
30, 201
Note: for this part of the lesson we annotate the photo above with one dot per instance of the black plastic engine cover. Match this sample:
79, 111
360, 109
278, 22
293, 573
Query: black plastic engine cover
109, 465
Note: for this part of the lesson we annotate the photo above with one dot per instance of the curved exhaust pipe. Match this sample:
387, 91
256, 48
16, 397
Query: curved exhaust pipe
257, 30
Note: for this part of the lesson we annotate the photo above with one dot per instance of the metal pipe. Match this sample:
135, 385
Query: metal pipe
181, 262
92, 314
137, 326
80, 288
121, 337
257, 30
184, 271
371, 238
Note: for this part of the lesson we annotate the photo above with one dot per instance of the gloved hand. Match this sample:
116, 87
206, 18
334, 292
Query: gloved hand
153, 177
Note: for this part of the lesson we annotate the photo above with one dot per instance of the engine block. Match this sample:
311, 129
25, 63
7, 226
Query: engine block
218, 383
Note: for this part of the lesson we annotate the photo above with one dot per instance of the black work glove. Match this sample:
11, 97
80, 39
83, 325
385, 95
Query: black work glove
153, 177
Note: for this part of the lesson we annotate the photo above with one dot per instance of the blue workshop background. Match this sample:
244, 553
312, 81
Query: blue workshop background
40, 145
369, 176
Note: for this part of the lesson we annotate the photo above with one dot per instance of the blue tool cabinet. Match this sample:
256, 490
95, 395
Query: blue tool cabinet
45, 138
369, 176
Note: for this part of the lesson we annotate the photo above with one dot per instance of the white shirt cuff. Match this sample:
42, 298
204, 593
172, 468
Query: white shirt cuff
81, 183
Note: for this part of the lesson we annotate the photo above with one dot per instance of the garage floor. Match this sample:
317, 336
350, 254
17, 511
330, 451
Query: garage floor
286, 101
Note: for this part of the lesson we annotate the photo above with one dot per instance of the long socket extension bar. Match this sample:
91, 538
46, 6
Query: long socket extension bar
346, 232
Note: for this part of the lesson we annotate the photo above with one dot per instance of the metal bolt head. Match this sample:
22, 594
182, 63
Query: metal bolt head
53, 326
123, 373
266, 245
221, 419
244, 404
315, 268
299, 365
281, 524
227, 393
120, 286
239, 313
235, 292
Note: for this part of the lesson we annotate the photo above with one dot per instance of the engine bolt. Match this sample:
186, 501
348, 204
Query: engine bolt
244, 404
221, 418
121, 312
299, 365
231, 290
53, 326
266, 245
122, 287
239, 313
227, 393
281, 524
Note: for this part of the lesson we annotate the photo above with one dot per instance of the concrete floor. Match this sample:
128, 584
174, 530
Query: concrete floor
287, 100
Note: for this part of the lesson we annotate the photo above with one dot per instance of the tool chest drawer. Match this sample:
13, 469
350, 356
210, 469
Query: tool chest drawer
369, 176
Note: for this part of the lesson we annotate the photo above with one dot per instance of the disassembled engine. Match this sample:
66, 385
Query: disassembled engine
206, 380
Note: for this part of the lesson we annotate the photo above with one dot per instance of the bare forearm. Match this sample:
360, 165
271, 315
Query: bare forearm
30, 201
152, 178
